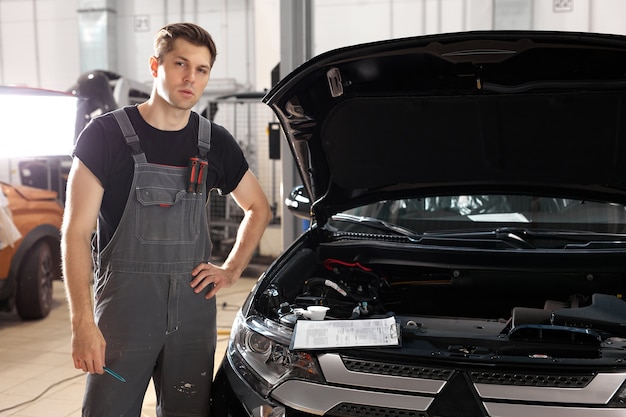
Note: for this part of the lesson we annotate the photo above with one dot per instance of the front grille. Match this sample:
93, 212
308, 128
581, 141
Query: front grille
381, 368
355, 410
531, 380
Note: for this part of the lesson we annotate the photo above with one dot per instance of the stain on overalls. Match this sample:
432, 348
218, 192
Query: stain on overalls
153, 323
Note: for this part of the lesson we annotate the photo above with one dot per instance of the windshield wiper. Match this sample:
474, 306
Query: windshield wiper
525, 238
514, 237
377, 224
571, 239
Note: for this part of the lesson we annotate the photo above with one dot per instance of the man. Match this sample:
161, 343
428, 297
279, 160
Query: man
140, 177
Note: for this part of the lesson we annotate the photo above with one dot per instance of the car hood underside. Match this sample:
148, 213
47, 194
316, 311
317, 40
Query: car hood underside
477, 110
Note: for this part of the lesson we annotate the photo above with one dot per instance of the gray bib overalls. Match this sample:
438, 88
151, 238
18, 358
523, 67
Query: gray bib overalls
154, 325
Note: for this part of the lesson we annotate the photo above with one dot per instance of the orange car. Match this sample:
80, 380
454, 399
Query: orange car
29, 266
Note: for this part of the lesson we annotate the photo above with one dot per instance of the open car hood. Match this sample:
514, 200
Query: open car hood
473, 111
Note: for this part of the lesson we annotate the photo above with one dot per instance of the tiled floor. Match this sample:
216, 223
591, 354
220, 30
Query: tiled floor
37, 377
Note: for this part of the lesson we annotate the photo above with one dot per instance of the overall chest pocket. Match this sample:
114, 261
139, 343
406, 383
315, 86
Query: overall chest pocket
166, 215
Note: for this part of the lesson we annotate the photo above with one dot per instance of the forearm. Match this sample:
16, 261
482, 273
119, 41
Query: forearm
78, 276
248, 237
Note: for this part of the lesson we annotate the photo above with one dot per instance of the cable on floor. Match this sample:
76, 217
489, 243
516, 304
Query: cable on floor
42, 394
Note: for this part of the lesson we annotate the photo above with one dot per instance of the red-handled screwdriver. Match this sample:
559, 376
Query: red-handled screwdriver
204, 165
192, 175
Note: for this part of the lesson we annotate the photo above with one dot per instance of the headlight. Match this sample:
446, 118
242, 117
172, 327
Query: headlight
259, 351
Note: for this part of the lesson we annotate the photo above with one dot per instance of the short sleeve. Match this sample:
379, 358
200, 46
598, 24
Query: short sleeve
97, 147
228, 160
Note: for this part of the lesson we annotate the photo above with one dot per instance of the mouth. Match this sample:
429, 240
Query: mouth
186, 92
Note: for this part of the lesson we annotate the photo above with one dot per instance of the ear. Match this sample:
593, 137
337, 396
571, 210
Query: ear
154, 66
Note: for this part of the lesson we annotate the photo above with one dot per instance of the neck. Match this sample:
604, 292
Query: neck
163, 116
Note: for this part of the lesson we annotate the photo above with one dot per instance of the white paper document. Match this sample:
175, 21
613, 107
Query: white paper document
323, 334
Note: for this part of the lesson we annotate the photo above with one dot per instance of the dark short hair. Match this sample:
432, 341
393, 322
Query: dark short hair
165, 37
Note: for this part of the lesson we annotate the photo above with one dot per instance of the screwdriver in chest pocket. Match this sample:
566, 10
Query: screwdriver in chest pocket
202, 172
192, 174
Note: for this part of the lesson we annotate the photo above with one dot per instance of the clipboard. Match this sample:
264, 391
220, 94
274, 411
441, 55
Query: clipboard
330, 334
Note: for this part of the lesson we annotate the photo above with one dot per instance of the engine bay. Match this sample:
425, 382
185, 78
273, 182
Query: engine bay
530, 306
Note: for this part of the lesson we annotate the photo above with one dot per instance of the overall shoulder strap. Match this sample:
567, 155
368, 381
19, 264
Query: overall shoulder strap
204, 136
129, 133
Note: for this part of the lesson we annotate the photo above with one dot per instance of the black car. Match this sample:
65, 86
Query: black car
468, 235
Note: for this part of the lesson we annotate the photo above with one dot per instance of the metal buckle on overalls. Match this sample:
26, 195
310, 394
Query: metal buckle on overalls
196, 174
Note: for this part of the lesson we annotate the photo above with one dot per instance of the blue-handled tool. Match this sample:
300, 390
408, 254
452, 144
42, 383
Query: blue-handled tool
114, 374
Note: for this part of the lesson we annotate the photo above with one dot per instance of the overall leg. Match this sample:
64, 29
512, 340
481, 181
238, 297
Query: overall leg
131, 314
185, 370
105, 396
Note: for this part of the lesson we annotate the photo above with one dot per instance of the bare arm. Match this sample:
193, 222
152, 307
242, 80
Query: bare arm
84, 196
257, 214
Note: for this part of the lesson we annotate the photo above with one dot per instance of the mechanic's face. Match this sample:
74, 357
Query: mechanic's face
183, 75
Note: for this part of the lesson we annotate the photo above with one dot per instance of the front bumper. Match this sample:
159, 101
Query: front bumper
356, 388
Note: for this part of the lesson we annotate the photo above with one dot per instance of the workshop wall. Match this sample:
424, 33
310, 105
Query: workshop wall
40, 39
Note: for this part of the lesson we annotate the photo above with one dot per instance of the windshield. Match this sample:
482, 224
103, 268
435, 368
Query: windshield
481, 212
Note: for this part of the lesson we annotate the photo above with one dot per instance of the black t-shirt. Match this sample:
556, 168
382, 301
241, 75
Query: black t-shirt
102, 148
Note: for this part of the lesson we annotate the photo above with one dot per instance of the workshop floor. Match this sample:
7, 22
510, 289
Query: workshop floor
37, 377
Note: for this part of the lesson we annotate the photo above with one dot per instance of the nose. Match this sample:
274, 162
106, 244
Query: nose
189, 76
